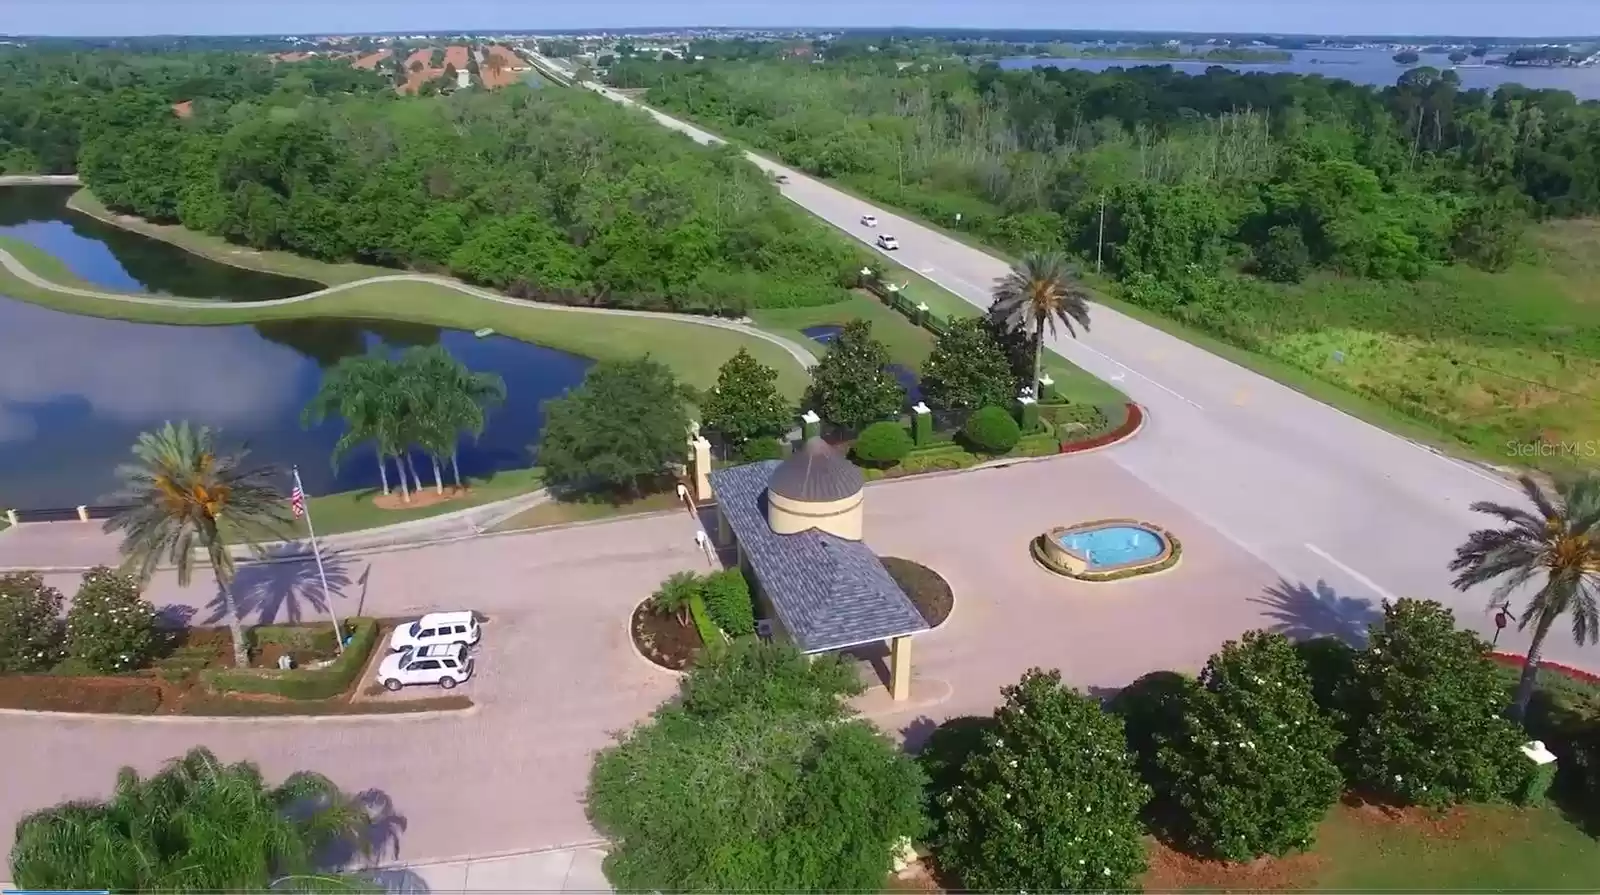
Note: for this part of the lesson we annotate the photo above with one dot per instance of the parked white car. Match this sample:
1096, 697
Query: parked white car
442, 664
437, 628
888, 243
868, 220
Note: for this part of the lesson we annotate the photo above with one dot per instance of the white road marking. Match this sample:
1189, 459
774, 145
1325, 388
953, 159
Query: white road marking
1370, 584
1126, 368
1458, 464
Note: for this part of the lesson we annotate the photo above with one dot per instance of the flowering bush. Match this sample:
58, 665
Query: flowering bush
1252, 770
1049, 801
1423, 705
30, 623
110, 628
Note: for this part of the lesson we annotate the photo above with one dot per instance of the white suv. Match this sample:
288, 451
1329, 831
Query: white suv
436, 628
888, 243
442, 664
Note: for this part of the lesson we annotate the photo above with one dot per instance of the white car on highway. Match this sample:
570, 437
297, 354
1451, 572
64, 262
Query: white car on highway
442, 664
868, 220
437, 628
888, 243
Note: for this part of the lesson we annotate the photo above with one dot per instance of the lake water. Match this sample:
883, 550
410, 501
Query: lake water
75, 391
1372, 67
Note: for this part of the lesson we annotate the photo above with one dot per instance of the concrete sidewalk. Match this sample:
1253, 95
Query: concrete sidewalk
575, 869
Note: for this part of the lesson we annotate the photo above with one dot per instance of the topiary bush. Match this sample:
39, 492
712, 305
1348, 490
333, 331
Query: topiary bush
1049, 802
757, 449
30, 623
882, 444
1252, 770
991, 430
729, 603
110, 628
1423, 708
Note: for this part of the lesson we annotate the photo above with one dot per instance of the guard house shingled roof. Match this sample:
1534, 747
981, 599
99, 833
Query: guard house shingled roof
816, 473
828, 592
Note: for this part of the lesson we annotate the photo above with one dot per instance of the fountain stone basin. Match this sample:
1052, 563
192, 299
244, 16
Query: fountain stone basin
1109, 545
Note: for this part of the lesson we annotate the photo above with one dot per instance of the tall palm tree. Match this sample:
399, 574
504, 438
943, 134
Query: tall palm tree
196, 826
182, 493
451, 399
1558, 541
355, 390
1041, 290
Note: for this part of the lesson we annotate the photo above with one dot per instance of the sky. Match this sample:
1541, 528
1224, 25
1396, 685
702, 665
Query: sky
1507, 18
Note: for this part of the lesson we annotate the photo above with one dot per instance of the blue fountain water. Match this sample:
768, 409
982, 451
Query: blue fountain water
1113, 545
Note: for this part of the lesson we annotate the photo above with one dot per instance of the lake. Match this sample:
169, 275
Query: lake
1372, 67
75, 391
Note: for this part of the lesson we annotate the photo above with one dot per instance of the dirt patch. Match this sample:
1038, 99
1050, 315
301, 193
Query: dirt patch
662, 639
90, 695
928, 590
1173, 871
427, 497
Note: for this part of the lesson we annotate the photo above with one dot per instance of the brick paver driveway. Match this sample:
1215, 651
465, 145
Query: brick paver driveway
564, 674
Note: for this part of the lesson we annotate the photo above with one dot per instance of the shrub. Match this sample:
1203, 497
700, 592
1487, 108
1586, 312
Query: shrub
1049, 802
755, 779
707, 629
757, 449
882, 444
303, 683
729, 603
30, 623
1423, 704
991, 430
1283, 257
110, 628
1153, 709
1329, 664
1252, 771
944, 755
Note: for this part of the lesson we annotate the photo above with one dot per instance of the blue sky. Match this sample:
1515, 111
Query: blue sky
1469, 17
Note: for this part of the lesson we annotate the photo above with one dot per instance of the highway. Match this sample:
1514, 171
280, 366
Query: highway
1346, 510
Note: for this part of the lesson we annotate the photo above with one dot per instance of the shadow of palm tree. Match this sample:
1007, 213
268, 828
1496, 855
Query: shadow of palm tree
1302, 612
283, 592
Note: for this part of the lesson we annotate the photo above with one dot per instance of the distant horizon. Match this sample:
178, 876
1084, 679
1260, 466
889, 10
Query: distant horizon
1040, 33
1552, 20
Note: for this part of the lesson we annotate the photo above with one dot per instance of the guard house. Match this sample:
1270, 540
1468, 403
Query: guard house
797, 526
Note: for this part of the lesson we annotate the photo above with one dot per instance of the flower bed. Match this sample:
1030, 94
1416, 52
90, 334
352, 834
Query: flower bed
665, 641
928, 590
1514, 660
1129, 426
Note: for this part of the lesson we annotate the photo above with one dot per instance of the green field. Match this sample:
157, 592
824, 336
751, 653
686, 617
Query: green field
355, 511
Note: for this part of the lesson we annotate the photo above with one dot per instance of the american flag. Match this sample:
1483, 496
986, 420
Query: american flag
297, 500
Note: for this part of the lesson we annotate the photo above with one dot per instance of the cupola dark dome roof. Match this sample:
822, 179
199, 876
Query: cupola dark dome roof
816, 473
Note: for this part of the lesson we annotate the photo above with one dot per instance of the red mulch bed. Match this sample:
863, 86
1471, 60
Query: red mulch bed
1513, 660
662, 639
1129, 426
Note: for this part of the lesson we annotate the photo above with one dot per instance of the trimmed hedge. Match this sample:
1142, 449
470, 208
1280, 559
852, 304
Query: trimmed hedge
728, 602
709, 632
991, 430
303, 683
883, 444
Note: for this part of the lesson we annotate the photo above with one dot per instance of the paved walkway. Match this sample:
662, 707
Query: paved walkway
800, 353
555, 870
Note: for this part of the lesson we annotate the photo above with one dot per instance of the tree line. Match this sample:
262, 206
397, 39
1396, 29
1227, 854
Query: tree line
552, 194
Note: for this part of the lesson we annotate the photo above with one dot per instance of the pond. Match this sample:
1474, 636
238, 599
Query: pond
75, 391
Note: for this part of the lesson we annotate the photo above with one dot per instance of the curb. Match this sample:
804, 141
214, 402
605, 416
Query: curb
490, 856
388, 717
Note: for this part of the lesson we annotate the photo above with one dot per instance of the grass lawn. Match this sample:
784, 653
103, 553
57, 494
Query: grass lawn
908, 343
562, 512
692, 350
355, 511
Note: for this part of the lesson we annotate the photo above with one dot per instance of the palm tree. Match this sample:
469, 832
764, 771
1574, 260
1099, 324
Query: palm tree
450, 399
674, 594
181, 494
196, 826
355, 389
1040, 290
1558, 541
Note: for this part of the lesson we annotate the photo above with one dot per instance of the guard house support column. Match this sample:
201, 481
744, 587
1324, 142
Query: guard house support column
900, 668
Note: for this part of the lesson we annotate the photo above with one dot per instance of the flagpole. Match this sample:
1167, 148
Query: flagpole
327, 598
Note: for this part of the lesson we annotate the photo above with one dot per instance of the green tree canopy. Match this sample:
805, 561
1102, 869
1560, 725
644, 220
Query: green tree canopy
756, 778
197, 826
967, 369
745, 403
850, 386
624, 426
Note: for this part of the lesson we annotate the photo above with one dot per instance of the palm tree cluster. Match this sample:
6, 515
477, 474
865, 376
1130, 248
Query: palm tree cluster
197, 826
1040, 291
423, 399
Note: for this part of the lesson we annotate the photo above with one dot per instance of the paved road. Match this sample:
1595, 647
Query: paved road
1314, 493
800, 353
